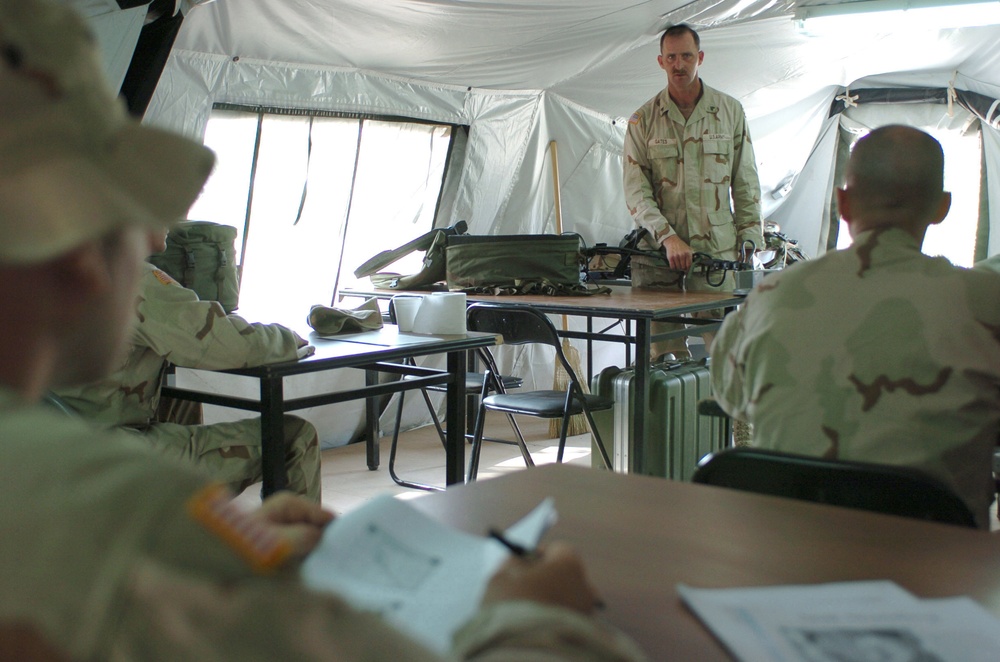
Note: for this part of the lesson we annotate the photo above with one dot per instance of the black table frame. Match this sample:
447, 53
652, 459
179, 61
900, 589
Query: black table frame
680, 309
332, 354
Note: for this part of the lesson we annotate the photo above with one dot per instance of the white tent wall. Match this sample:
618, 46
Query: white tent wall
991, 152
505, 184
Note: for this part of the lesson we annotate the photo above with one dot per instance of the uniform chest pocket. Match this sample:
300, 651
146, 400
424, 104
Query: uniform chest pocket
663, 162
717, 159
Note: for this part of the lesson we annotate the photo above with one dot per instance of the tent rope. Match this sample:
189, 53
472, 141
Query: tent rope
952, 95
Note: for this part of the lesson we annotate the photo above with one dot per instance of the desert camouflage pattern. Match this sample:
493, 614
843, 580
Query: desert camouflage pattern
175, 326
121, 571
990, 264
696, 178
875, 353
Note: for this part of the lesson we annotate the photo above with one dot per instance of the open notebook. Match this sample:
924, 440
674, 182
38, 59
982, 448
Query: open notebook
424, 576
845, 621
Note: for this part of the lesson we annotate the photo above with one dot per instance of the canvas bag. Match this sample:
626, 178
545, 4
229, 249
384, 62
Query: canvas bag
516, 264
201, 256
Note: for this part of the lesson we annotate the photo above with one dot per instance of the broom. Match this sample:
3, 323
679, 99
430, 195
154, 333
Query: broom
560, 380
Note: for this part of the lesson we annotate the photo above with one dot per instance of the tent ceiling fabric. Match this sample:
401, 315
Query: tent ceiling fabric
497, 45
524, 72
598, 54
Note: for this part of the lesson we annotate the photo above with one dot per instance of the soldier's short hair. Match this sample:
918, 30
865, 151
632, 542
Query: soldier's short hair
679, 30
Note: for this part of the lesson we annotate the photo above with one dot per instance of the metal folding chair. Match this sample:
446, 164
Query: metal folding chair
521, 325
475, 385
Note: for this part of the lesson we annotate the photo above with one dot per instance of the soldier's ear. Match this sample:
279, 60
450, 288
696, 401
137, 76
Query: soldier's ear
944, 205
844, 204
81, 275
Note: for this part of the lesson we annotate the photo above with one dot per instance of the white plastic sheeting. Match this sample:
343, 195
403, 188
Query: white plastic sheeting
522, 73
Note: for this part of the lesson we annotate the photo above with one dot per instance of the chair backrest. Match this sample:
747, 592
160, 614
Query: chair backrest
882, 488
519, 325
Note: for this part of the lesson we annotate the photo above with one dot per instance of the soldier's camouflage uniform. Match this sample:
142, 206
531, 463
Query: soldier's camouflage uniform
103, 555
875, 353
990, 263
694, 177
175, 326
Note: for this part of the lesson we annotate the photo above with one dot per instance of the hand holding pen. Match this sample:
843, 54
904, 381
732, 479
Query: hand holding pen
513, 547
553, 574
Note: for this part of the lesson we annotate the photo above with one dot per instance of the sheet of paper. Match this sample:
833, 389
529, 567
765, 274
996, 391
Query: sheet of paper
424, 576
857, 621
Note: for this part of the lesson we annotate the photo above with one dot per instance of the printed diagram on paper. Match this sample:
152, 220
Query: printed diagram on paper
845, 621
424, 576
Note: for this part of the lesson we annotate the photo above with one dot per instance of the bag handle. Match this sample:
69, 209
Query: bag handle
421, 243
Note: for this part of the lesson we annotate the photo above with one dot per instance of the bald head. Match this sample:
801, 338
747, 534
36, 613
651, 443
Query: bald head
895, 177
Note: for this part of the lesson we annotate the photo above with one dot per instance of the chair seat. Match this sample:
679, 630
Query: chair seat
474, 382
544, 404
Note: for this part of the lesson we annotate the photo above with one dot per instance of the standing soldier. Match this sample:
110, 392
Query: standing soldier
689, 174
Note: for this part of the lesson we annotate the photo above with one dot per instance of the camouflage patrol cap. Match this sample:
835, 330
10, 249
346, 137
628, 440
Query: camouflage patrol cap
73, 164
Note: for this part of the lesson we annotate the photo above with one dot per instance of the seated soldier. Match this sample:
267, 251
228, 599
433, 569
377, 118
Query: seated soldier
173, 325
112, 551
877, 352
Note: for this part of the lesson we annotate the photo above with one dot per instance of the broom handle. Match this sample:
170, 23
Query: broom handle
557, 197
555, 185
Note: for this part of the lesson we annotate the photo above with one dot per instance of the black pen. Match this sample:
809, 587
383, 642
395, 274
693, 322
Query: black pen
525, 553
515, 549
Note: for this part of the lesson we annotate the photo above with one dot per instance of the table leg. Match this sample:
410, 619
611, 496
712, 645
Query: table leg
272, 432
590, 351
455, 419
472, 399
371, 422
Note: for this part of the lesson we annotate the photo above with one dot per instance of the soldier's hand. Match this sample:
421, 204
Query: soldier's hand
304, 348
554, 576
296, 519
678, 253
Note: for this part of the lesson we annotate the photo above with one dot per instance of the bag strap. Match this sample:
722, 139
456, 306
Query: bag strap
220, 273
189, 266
421, 243
541, 286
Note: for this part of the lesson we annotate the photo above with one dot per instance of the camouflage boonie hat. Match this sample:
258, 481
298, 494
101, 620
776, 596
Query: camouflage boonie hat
73, 164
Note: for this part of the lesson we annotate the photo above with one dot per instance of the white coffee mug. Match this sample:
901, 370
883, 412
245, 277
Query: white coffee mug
406, 311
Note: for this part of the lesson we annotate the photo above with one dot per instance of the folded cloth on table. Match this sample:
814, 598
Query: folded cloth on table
331, 321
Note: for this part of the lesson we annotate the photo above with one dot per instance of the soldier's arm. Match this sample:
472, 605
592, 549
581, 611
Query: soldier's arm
638, 185
746, 186
727, 377
192, 333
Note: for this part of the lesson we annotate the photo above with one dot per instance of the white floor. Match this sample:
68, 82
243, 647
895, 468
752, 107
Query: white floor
347, 481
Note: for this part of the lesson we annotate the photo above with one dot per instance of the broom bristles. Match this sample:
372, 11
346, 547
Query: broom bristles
560, 382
